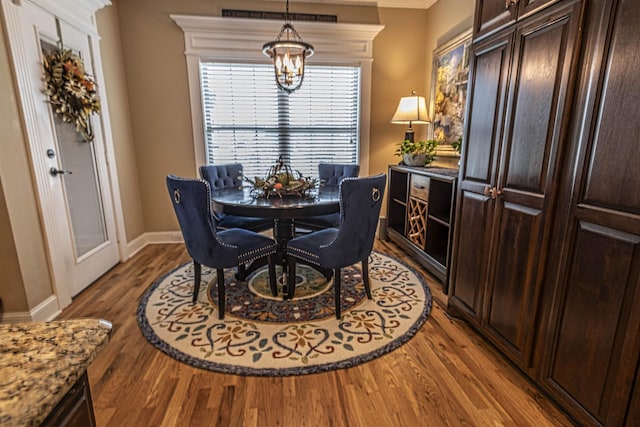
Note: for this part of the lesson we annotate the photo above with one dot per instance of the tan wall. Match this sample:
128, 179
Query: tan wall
11, 288
155, 67
398, 69
156, 72
26, 281
146, 82
120, 115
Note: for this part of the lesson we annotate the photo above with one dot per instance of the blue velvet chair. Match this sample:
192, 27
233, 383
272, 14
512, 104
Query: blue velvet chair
191, 199
230, 176
330, 175
351, 242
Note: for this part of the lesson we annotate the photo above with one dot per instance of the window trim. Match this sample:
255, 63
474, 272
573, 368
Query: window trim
209, 38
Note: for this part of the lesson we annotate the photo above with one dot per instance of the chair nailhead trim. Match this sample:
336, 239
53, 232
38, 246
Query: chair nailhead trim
256, 254
307, 256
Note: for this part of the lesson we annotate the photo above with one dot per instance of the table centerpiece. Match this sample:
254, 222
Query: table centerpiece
282, 181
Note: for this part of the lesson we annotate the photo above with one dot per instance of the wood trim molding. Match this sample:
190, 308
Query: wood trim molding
241, 38
404, 4
211, 38
80, 14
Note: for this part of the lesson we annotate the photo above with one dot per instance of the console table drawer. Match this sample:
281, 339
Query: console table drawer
419, 187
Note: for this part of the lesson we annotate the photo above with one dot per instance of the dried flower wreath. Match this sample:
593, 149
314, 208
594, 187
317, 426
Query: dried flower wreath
71, 91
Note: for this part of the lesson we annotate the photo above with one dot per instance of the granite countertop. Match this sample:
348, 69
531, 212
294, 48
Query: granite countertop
41, 361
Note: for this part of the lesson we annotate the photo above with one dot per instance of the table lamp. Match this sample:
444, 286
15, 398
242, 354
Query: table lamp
411, 109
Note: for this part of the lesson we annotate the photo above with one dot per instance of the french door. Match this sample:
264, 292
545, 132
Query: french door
72, 178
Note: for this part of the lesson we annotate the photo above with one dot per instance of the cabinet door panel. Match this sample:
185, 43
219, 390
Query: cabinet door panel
618, 187
486, 103
537, 98
633, 418
603, 279
492, 15
527, 7
509, 307
470, 269
592, 350
534, 125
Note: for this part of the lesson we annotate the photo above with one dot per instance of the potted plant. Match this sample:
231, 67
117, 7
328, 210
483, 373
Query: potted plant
419, 153
457, 145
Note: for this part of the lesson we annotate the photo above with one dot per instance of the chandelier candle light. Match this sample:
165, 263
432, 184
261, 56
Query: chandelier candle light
288, 53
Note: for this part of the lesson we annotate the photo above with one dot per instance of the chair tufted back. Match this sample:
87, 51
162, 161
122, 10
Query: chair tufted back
191, 201
222, 176
360, 202
333, 173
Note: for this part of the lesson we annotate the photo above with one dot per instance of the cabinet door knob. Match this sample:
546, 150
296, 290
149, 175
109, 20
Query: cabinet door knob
508, 3
493, 192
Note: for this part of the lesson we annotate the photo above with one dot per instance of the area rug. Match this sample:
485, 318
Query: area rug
265, 336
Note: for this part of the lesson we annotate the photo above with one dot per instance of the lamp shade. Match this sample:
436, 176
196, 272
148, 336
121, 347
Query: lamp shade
411, 109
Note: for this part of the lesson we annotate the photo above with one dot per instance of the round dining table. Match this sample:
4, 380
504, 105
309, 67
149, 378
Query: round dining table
283, 210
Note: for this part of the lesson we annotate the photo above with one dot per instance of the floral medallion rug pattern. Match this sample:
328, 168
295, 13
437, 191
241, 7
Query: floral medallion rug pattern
263, 335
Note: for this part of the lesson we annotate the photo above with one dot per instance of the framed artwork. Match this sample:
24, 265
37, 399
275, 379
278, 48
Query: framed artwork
449, 91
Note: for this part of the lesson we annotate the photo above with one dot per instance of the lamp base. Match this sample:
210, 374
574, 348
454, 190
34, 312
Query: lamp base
408, 136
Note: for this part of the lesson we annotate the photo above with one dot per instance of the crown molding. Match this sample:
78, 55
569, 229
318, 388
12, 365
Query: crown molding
402, 4
80, 14
208, 35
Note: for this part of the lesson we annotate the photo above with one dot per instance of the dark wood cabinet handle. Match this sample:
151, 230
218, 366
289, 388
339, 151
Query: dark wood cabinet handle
493, 192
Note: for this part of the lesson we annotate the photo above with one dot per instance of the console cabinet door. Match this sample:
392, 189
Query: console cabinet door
593, 333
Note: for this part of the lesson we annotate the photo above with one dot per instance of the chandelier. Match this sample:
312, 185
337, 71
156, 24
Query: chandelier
288, 53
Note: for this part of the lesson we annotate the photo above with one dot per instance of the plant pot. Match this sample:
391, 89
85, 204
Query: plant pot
414, 159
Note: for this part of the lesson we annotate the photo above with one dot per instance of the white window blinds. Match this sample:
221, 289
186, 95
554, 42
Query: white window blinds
248, 120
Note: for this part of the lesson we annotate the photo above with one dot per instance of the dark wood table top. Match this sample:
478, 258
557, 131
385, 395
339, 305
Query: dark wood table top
239, 201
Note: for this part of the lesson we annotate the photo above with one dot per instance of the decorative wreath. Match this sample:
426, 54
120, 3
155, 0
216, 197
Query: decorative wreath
71, 91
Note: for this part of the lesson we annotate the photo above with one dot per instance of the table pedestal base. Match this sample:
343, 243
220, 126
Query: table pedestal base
283, 231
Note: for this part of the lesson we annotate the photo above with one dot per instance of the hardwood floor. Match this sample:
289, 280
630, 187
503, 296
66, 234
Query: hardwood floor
444, 376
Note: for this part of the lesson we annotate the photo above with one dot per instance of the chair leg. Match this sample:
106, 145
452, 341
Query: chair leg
197, 268
336, 286
291, 277
220, 274
365, 276
273, 283
242, 272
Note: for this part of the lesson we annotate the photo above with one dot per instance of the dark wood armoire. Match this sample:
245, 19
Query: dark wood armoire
546, 259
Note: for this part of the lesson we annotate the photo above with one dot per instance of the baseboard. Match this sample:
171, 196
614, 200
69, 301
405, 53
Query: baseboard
135, 246
45, 311
49, 309
155, 238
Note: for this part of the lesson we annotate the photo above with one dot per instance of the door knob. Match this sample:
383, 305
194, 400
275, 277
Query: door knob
55, 172
508, 3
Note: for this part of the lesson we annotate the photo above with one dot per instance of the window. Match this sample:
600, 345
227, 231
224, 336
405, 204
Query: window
237, 42
248, 120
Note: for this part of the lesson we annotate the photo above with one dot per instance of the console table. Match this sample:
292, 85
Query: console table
420, 212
